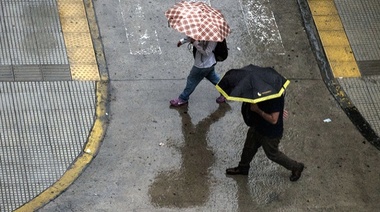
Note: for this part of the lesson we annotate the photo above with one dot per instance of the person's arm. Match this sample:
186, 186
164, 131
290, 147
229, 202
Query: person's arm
269, 117
210, 47
183, 41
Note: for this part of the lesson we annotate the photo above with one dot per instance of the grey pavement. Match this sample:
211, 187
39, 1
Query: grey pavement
155, 158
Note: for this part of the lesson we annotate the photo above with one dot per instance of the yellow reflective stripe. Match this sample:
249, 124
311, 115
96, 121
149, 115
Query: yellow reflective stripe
241, 99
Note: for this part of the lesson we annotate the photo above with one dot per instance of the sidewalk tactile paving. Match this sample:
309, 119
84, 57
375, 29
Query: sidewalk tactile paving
31, 28
45, 117
43, 128
365, 95
31, 38
361, 20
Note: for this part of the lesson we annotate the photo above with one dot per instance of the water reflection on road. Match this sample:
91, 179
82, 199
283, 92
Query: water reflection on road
191, 182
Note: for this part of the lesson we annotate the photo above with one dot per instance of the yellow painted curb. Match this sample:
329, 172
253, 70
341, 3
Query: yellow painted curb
334, 39
98, 131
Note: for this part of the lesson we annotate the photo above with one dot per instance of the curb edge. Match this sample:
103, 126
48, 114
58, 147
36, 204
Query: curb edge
331, 83
97, 132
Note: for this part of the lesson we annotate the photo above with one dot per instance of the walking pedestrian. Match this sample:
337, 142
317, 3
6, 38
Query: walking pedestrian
265, 120
204, 67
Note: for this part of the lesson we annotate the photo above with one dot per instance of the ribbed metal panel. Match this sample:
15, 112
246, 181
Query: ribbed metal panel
43, 127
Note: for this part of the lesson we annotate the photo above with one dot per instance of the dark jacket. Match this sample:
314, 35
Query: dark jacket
262, 126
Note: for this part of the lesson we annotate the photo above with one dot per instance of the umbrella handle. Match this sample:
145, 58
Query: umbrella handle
190, 47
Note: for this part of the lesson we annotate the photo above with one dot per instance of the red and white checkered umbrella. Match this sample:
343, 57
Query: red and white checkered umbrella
198, 21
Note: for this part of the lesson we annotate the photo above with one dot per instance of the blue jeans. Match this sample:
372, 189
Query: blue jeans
195, 77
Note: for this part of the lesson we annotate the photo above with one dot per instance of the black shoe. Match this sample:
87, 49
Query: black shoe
296, 173
237, 171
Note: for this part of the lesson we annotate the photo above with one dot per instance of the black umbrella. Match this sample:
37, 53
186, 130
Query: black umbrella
252, 84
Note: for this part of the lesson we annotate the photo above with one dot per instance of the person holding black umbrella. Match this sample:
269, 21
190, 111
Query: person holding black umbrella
266, 128
262, 91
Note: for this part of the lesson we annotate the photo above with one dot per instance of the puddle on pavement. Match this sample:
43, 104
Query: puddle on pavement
174, 188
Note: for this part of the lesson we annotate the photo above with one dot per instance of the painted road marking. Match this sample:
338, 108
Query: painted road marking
334, 39
262, 26
141, 38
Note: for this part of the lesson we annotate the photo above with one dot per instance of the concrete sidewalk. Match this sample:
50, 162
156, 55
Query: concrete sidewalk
54, 87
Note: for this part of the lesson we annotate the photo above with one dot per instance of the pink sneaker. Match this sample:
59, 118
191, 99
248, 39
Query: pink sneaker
221, 99
177, 102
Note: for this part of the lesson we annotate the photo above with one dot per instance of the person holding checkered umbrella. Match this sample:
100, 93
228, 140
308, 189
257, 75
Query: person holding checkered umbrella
204, 26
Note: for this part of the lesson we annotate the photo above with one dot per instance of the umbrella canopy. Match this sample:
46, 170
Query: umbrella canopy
252, 84
198, 21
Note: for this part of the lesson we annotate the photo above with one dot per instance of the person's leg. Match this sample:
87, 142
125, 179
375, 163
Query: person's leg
194, 78
214, 78
270, 146
251, 145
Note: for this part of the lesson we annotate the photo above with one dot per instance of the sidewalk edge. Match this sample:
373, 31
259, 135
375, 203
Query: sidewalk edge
97, 132
331, 83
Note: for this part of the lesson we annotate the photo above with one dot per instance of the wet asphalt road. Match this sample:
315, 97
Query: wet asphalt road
155, 158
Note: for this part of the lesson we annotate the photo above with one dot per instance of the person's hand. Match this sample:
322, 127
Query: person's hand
255, 108
192, 40
285, 114
179, 43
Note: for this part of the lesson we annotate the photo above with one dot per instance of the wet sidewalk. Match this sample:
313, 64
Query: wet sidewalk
54, 86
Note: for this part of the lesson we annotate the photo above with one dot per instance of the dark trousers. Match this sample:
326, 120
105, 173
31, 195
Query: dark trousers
254, 141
